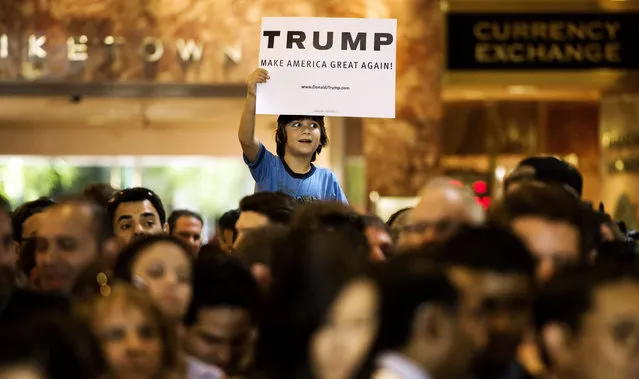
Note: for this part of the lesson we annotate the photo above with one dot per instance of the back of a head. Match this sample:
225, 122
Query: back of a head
137, 194
276, 206
5, 206
229, 219
26, 210
566, 298
487, 248
222, 281
535, 199
442, 192
318, 214
100, 193
408, 282
549, 170
260, 245
58, 346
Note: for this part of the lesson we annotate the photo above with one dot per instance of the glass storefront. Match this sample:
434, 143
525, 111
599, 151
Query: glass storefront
209, 185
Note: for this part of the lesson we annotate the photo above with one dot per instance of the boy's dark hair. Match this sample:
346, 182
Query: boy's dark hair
487, 248
26, 210
261, 245
280, 134
132, 195
278, 207
408, 282
221, 281
100, 193
178, 213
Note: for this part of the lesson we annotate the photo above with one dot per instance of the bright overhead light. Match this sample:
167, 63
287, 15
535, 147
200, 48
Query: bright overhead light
518, 90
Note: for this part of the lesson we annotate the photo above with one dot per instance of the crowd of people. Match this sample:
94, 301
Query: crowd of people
104, 285
295, 284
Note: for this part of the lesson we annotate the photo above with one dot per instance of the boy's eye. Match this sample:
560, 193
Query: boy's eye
314, 125
297, 124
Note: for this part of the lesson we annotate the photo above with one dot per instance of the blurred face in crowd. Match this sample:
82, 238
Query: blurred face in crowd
380, 243
249, 221
438, 215
222, 337
8, 249
22, 371
339, 346
130, 340
225, 237
553, 243
30, 227
605, 345
164, 269
135, 219
65, 245
189, 230
502, 304
302, 137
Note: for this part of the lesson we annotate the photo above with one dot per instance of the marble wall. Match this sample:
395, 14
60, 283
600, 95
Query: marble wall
400, 154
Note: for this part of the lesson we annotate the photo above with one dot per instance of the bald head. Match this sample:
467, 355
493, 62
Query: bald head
441, 209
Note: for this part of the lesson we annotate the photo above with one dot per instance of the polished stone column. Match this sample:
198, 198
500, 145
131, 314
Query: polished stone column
401, 154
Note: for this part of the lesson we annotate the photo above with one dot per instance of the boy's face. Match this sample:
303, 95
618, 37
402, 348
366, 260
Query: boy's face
302, 137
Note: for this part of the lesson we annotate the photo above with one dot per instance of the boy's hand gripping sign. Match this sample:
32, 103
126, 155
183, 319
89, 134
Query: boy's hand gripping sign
328, 67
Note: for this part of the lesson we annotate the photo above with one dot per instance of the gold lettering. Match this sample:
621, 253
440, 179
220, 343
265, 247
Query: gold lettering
555, 53
539, 30
536, 52
612, 28
521, 30
482, 52
158, 49
575, 31
189, 50
612, 52
573, 52
77, 50
516, 53
557, 31
481, 30
35, 47
592, 52
501, 32
4, 46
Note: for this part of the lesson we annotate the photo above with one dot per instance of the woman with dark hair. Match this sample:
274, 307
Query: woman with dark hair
161, 265
322, 312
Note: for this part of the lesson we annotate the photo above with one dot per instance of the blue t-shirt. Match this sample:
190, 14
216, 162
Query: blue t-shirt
272, 174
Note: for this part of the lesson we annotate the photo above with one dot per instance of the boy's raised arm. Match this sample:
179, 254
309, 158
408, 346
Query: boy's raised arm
246, 133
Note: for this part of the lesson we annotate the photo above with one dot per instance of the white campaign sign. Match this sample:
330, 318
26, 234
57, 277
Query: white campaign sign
328, 67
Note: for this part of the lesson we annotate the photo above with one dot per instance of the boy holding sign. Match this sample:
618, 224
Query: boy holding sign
299, 139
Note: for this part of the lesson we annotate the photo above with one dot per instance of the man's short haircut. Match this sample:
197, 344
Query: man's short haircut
550, 170
178, 213
280, 133
100, 193
317, 214
132, 195
487, 248
408, 282
566, 298
26, 210
278, 207
222, 281
229, 219
536, 199
260, 245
